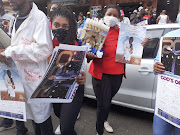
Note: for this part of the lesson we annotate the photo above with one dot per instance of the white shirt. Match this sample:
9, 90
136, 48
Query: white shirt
163, 19
8, 81
126, 20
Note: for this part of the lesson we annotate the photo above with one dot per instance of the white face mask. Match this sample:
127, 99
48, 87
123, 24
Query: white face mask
110, 21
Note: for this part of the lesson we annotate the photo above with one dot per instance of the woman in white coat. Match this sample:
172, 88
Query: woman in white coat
31, 45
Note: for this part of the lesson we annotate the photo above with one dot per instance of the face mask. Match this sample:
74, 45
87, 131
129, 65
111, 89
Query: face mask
154, 15
60, 34
110, 21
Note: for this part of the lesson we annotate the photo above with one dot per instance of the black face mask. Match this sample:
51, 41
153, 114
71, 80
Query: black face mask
60, 34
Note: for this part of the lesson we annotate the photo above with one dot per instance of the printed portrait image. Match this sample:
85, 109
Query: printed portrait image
171, 55
93, 38
11, 87
11, 83
4, 25
61, 76
129, 51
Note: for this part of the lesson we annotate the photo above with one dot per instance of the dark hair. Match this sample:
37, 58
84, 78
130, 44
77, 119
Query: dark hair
131, 38
111, 6
66, 12
8, 71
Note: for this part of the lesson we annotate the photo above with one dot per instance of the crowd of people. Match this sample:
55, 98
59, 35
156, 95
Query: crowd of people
63, 28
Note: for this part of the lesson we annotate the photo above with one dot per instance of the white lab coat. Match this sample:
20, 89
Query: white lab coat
31, 45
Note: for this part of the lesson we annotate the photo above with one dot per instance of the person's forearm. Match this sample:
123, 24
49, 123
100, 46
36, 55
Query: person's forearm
176, 52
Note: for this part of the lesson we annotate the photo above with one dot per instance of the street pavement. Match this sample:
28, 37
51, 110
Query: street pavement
123, 120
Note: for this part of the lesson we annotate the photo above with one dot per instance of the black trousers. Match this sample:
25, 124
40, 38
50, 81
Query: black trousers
68, 112
20, 126
45, 128
105, 90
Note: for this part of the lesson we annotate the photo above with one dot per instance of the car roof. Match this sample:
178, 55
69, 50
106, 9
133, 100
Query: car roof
159, 26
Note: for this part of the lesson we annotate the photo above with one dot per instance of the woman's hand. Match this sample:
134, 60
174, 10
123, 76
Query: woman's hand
52, 77
3, 59
145, 42
169, 48
159, 67
90, 55
81, 79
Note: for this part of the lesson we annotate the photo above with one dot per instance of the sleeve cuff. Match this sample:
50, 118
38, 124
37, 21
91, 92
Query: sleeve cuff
7, 52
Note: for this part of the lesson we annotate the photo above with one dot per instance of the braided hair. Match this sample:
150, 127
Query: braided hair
67, 13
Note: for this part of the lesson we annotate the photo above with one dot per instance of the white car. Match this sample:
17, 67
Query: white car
139, 89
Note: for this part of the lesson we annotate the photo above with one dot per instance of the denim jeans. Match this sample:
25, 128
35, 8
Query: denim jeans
161, 127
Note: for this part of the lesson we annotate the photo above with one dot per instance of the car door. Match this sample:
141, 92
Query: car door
136, 91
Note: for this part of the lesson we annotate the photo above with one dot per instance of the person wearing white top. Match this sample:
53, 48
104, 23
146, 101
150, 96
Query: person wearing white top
163, 18
10, 84
124, 19
128, 49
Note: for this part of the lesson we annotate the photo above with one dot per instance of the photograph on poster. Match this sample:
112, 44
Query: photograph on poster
59, 80
171, 55
129, 48
11, 86
12, 96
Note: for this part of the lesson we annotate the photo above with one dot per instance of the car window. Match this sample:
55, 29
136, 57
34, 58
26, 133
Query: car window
151, 47
177, 46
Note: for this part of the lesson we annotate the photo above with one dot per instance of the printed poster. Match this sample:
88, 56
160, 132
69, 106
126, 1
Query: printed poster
58, 84
12, 97
168, 88
5, 25
129, 48
94, 34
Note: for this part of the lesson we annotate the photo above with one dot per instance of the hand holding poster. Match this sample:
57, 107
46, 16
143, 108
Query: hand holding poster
58, 84
12, 97
168, 88
129, 48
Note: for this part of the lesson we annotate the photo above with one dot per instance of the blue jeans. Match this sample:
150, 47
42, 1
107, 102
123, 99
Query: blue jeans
161, 127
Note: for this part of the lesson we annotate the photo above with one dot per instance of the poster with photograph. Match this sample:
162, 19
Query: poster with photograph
129, 48
168, 88
94, 34
5, 25
12, 97
58, 84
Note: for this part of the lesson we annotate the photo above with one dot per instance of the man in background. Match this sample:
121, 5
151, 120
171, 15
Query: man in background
163, 18
133, 17
178, 17
153, 18
124, 19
